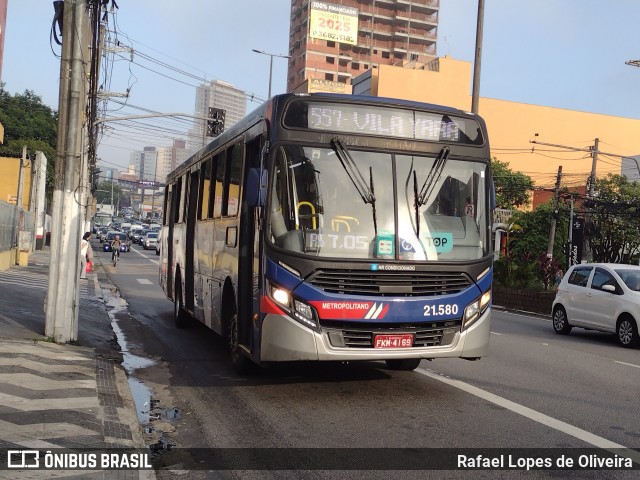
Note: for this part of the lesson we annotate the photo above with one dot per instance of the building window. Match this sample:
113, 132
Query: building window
331, 44
385, 54
343, 79
331, 60
355, 66
328, 76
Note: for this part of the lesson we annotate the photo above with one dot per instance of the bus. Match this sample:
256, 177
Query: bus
326, 227
99, 220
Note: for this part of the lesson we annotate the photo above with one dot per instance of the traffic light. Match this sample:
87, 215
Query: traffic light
215, 126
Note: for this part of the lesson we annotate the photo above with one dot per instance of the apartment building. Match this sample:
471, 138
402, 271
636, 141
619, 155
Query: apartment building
168, 158
216, 94
338, 40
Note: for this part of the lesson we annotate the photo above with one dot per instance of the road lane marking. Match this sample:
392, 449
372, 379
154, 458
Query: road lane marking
536, 416
496, 333
144, 281
627, 364
144, 256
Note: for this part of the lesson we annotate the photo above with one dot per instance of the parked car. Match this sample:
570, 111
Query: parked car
150, 240
600, 296
124, 247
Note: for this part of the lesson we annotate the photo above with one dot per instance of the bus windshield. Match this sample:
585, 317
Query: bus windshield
386, 206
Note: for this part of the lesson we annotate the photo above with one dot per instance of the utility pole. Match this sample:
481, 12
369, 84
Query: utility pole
61, 306
592, 186
478, 59
554, 218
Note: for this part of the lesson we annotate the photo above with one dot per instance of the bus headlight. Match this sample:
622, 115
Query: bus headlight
297, 309
476, 308
281, 296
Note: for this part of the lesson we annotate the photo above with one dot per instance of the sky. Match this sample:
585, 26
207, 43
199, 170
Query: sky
567, 54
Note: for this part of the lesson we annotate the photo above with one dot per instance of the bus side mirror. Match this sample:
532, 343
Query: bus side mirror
256, 187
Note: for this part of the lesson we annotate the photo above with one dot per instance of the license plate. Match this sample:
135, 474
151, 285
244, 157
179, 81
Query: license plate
393, 341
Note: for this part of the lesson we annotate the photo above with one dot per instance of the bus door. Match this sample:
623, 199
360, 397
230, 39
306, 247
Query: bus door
173, 203
192, 210
248, 262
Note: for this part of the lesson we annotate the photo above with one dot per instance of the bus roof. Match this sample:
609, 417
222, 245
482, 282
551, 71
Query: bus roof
260, 113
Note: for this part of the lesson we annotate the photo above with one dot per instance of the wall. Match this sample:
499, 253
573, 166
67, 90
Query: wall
12, 220
526, 300
9, 168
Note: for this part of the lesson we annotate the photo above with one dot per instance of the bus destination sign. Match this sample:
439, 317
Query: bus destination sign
388, 122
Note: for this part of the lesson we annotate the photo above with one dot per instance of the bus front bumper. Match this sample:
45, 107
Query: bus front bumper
284, 339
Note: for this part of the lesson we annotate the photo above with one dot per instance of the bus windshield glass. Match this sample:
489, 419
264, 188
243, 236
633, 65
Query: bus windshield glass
430, 208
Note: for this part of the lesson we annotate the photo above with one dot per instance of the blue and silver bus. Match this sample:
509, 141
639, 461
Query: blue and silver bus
336, 228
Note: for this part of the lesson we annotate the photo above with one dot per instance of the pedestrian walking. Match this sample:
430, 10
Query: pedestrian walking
86, 254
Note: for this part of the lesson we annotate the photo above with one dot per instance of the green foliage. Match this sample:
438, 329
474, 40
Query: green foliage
614, 235
513, 189
27, 121
525, 264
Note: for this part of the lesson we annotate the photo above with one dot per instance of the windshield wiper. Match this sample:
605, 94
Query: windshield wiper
433, 177
365, 191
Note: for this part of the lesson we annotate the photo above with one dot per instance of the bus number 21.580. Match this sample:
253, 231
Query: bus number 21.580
445, 309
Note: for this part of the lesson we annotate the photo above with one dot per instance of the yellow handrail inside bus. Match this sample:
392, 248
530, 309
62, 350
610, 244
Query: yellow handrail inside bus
313, 214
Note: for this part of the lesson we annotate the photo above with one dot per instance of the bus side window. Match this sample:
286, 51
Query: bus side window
234, 177
212, 188
205, 186
221, 160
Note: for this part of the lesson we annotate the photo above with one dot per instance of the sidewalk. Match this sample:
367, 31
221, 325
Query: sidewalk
59, 395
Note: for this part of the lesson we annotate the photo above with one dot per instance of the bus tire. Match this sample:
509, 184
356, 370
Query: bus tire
240, 363
406, 364
180, 316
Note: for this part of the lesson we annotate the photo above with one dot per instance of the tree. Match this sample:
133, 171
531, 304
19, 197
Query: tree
27, 121
513, 189
614, 234
103, 193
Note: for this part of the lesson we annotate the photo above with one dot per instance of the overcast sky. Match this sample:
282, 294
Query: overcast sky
562, 53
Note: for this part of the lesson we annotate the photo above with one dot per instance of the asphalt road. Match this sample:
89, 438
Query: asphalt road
536, 389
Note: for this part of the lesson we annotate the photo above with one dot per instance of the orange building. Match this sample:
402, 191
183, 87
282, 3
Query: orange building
337, 40
9, 175
512, 125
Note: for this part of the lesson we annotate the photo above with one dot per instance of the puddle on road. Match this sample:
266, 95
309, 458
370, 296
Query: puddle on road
139, 391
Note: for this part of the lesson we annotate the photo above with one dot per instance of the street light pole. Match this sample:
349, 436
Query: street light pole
271, 55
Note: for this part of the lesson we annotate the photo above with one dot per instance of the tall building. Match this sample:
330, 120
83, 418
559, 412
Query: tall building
168, 158
216, 94
144, 163
332, 42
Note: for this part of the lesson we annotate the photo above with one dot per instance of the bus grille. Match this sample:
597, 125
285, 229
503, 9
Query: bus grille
389, 283
362, 337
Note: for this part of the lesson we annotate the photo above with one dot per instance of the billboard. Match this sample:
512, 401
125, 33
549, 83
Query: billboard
334, 23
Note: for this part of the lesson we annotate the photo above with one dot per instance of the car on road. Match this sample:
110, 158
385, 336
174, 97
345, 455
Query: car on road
126, 244
599, 296
150, 240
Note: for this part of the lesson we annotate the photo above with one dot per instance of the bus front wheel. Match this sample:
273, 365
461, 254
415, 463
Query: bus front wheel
240, 363
180, 316
406, 364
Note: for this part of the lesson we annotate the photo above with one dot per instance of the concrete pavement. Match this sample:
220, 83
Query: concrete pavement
61, 395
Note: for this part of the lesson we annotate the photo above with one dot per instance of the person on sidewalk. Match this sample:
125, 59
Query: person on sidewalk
86, 253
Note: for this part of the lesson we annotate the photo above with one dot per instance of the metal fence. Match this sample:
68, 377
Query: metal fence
12, 221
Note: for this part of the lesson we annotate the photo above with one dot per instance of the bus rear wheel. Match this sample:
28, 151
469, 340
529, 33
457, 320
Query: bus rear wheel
406, 364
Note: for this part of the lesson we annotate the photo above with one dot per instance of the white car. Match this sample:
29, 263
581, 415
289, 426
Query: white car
600, 296
150, 240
